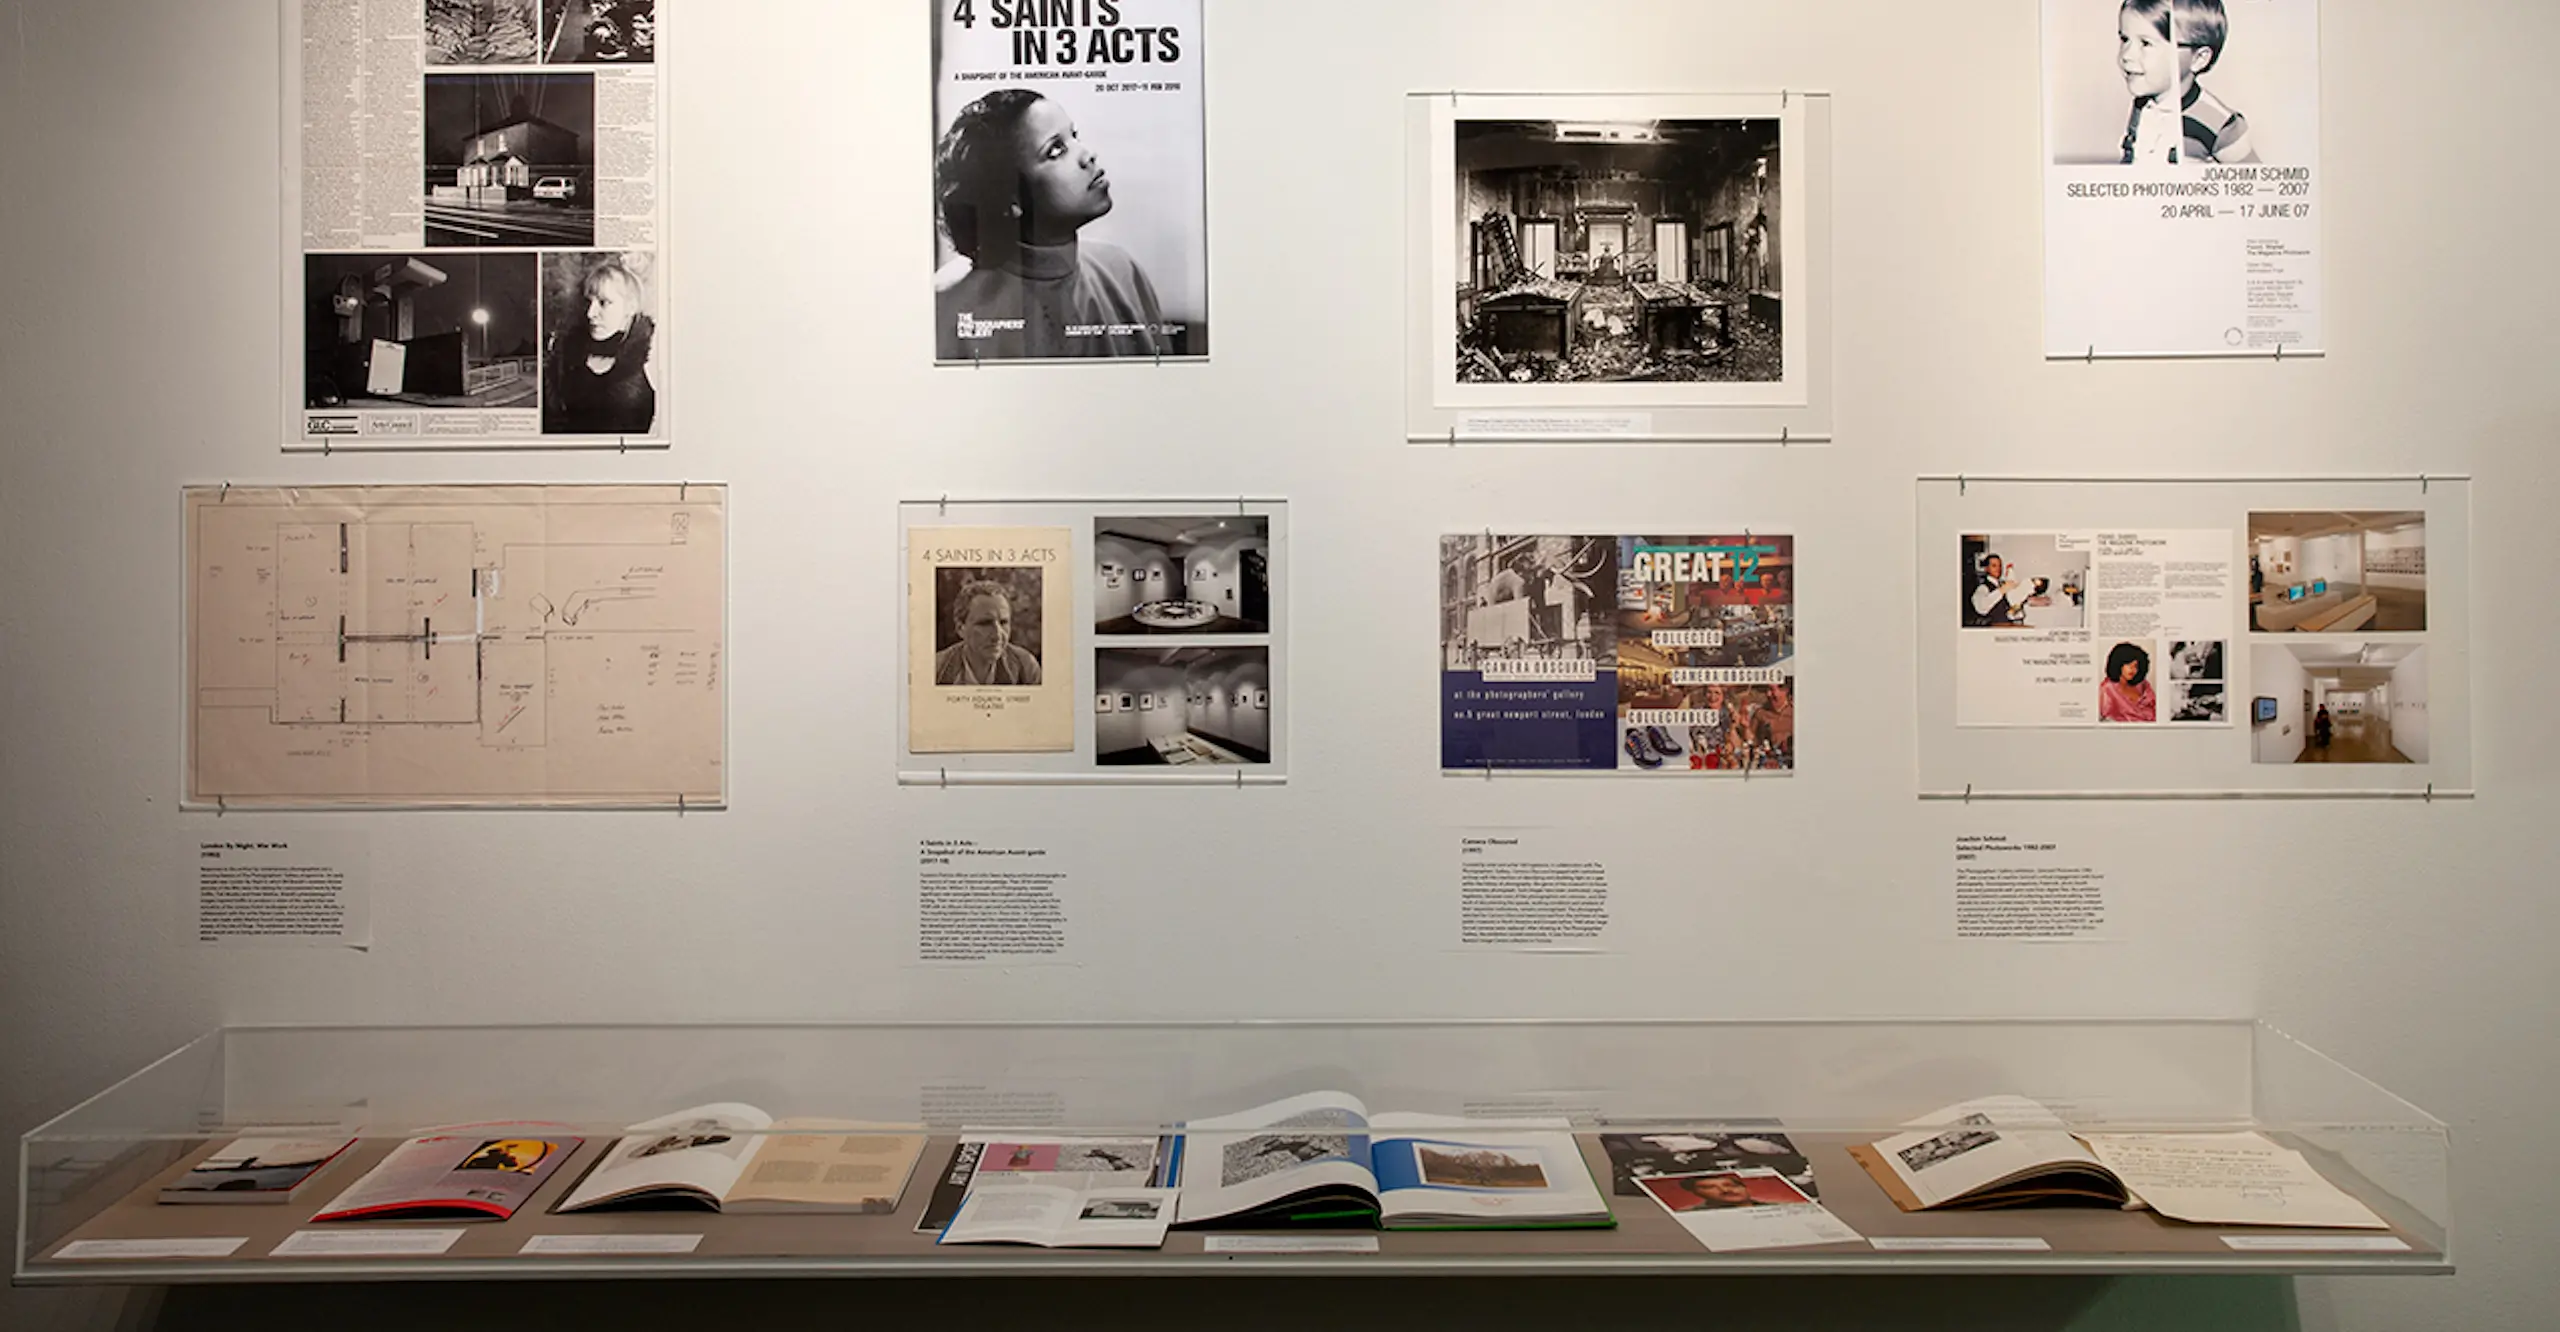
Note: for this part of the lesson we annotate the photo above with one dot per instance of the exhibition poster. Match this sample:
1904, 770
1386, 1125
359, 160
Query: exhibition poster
476, 209
1617, 251
492, 645
2093, 628
1070, 197
1591, 653
990, 665
2182, 151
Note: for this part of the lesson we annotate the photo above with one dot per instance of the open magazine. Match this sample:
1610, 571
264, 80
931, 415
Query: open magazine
1060, 1212
730, 1157
2008, 1151
1067, 1162
475, 1172
1322, 1158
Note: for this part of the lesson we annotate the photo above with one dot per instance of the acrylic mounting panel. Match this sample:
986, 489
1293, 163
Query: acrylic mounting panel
448, 645
475, 224
2094, 637
1618, 267
1158, 630
2182, 212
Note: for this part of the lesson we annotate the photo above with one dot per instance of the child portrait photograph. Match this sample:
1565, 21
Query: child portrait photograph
2182, 83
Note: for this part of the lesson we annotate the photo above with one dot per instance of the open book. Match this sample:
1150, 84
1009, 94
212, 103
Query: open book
1058, 1211
1322, 1158
735, 1158
2007, 1151
270, 1166
476, 1172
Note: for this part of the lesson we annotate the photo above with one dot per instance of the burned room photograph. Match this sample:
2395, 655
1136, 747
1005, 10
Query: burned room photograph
481, 32
1184, 707
420, 330
510, 160
1619, 251
1182, 575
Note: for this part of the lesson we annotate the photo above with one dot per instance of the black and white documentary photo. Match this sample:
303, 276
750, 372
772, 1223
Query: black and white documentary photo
1246, 1159
1184, 706
482, 32
1183, 575
2193, 660
510, 160
987, 626
2181, 82
600, 366
426, 330
1528, 598
1633, 1156
2198, 701
1969, 1133
1070, 200
601, 32
1620, 251
1122, 1209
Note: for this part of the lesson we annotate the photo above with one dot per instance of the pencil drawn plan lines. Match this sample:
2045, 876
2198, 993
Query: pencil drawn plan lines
507, 645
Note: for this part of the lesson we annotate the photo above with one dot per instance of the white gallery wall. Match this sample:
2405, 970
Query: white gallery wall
2413, 941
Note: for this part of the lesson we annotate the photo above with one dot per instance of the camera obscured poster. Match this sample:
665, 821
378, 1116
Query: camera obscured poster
1070, 204
1639, 654
2115, 629
474, 249
990, 640
2182, 150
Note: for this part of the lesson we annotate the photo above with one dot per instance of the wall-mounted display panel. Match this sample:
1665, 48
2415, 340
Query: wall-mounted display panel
1618, 267
1175, 611
2246, 637
475, 229
370, 646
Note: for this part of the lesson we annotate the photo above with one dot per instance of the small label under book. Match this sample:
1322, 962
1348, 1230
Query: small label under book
1959, 1244
1290, 1244
1552, 424
210, 1247
565, 1244
365, 1243
2317, 1243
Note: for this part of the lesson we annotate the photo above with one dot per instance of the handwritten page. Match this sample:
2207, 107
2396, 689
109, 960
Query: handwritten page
2237, 1179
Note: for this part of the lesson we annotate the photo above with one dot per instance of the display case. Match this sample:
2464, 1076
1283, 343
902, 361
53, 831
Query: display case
91, 1177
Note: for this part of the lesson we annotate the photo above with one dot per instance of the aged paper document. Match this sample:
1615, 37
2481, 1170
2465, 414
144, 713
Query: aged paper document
2238, 1179
990, 640
494, 645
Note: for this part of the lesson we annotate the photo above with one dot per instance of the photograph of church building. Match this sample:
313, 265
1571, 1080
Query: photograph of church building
1621, 251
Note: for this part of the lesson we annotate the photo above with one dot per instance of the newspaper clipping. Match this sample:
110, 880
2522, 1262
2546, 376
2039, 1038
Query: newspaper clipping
2182, 190
1070, 204
477, 256
1639, 654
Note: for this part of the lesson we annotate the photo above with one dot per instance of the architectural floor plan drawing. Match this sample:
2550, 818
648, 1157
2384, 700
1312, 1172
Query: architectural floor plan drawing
498, 645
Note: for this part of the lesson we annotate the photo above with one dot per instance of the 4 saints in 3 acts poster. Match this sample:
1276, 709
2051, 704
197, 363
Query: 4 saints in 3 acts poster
989, 641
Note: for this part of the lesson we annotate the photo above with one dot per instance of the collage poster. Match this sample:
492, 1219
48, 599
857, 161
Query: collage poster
2182, 187
990, 635
1070, 180
1639, 654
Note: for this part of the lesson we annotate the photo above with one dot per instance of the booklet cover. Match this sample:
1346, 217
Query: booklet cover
478, 1172
1021, 1208
258, 1168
